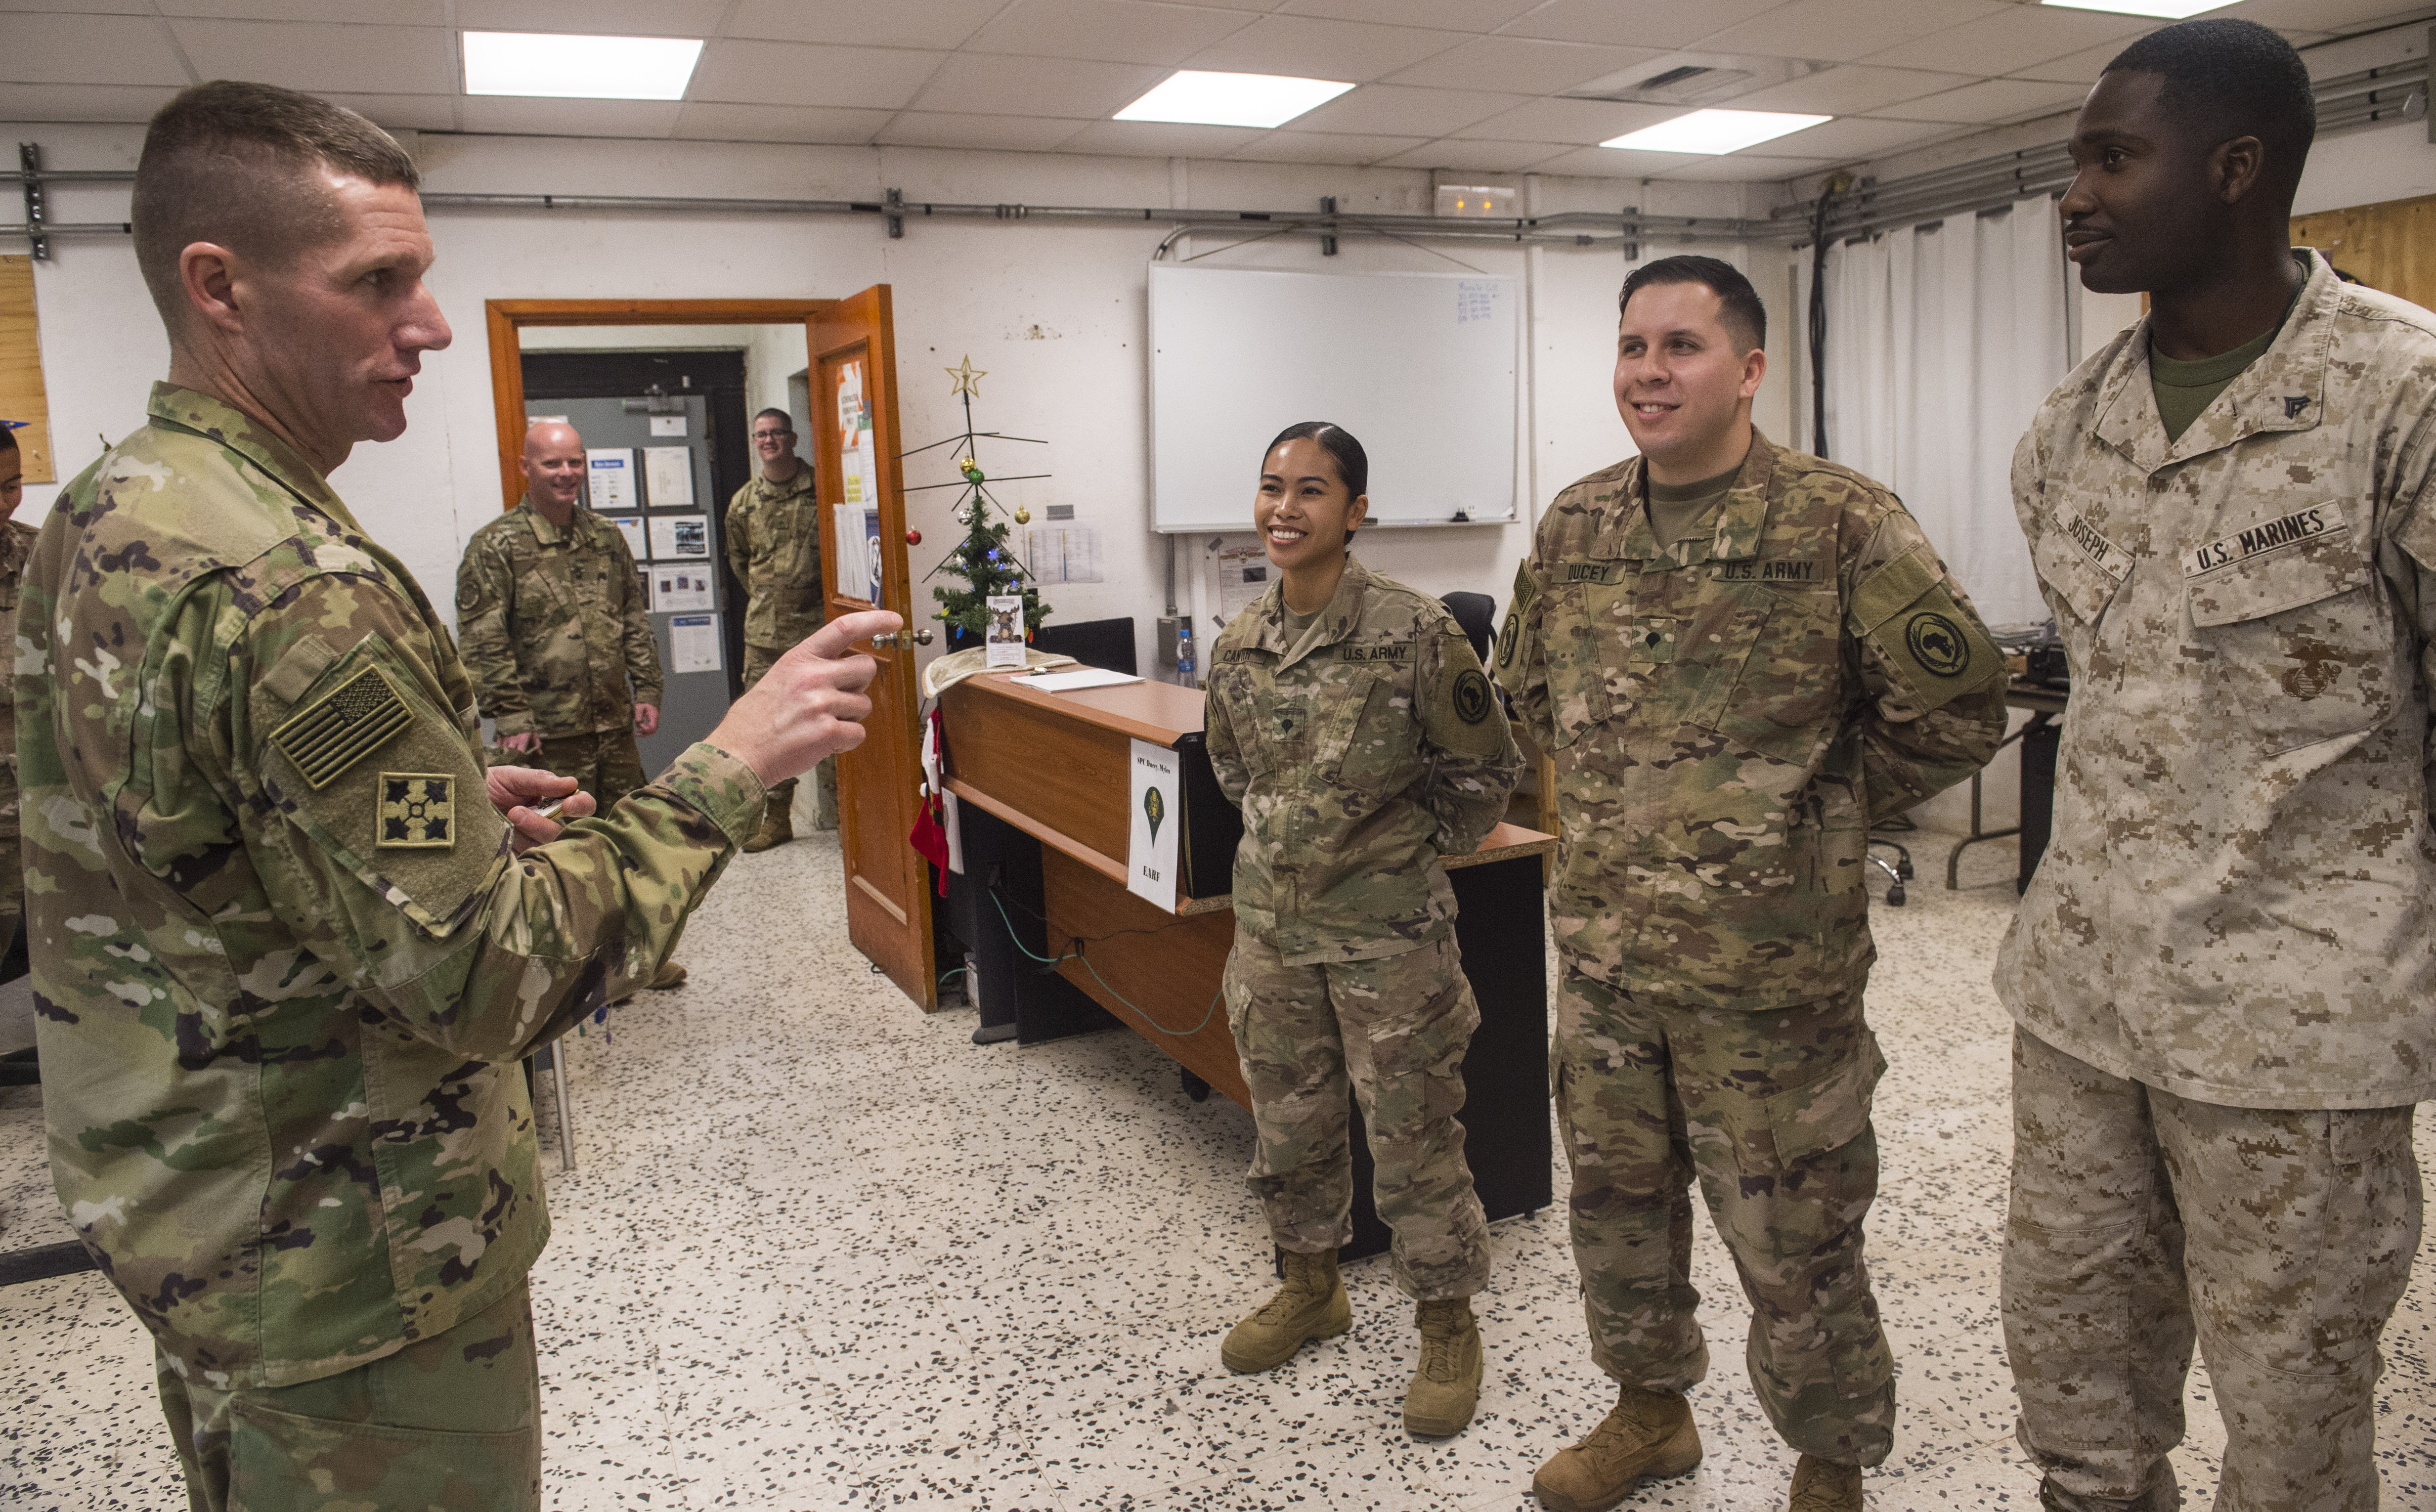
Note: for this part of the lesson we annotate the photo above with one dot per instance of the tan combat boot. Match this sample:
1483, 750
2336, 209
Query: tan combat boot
1649, 1435
778, 826
670, 975
1446, 1388
1311, 1305
1819, 1485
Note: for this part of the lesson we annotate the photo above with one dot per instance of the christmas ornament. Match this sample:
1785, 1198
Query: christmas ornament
968, 378
912, 538
1022, 515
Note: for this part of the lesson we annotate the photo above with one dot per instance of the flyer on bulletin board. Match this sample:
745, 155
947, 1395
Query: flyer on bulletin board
609, 474
1150, 859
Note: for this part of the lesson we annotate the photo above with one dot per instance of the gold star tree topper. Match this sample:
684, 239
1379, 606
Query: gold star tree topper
968, 378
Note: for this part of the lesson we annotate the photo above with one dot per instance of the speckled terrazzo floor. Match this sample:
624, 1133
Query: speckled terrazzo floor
823, 1251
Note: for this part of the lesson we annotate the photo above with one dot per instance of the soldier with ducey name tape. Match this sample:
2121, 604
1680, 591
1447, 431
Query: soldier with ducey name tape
2223, 973
1349, 718
1739, 658
290, 938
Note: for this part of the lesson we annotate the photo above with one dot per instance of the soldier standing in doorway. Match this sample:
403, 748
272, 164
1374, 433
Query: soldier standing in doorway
774, 547
1740, 657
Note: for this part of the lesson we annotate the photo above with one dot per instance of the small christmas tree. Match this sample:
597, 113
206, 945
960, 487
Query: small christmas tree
987, 565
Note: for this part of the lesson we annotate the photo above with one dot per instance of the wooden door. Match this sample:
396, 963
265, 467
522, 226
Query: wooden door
887, 886
2389, 247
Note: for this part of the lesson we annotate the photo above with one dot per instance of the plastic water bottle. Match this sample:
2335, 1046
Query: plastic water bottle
1184, 654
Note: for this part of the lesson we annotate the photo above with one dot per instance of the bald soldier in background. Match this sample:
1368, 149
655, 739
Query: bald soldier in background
290, 938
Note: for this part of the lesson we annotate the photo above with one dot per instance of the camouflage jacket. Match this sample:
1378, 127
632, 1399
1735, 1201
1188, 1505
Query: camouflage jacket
774, 547
1357, 764
1729, 714
2238, 902
555, 624
284, 962
16, 544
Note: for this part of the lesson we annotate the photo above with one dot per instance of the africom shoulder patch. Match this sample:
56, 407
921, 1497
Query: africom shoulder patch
417, 812
341, 728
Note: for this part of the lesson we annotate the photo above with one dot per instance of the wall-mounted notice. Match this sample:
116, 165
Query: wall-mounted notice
1243, 576
609, 472
1150, 859
681, 588
667, 425
667, 473
1063, 553
638, 541
680, 536
693, 643
860, 465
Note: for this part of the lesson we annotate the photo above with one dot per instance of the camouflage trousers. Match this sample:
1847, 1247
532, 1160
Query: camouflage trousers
607, 764
2279, 1239
452, 1421
759, 660
1769, 1110
1397, 1029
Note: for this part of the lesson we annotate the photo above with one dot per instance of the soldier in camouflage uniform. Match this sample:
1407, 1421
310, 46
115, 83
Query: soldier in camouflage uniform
16, 541
1362, 742
552, 617
290, 938
2222, 972
1739, 658
773, 548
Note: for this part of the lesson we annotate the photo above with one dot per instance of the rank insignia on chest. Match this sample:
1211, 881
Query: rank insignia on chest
418, 812
352, 723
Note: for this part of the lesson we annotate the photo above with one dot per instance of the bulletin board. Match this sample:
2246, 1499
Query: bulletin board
21, 370
2389, 247
1422, 368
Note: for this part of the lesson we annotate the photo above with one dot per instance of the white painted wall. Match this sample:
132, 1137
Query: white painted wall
1054, 314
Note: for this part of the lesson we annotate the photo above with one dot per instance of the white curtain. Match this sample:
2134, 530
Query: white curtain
1941, 340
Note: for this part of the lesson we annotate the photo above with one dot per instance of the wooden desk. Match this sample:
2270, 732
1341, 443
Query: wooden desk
1044, 788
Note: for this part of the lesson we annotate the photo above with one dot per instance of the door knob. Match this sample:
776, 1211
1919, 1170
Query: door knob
917, 637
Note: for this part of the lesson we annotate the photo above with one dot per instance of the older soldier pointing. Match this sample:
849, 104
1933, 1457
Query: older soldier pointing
288, 938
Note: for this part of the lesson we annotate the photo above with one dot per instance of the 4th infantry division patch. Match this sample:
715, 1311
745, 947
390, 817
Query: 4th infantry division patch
417, 812
343, 728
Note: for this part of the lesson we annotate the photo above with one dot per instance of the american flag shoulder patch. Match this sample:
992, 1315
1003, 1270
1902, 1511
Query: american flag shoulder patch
338, 730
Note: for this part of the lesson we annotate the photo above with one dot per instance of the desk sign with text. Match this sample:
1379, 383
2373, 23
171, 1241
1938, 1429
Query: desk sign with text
1158, 817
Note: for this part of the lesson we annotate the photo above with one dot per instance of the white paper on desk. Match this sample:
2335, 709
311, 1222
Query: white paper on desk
680, 536
693, 643
1085, 677
668, 476
609, 476
1159, 818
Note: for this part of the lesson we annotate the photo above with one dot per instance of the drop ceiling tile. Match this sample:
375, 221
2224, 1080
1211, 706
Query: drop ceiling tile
791, 72
81, 103
863, 23
2324, 15
1988, 101
1073, 88
369, 12
1308, 47
1323, 146
1666, 23
1580, 121
600, 18
1840, 30
1452, 15
1399, 110
1159, 139
1464, 156
996, 134
1115, 31
1737, 167
2016, 37
47, 50
2076, 68
403, 113
1522, 64
1615, 162
514, 115
1857, 137
779, 123
320, 57
1850, 89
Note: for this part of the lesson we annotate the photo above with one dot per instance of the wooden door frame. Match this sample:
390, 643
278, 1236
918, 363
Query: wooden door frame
505, 318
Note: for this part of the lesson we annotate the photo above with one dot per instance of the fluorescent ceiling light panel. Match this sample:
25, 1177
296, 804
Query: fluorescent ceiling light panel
564, 67
1197, 98
1712, 133
2168, 9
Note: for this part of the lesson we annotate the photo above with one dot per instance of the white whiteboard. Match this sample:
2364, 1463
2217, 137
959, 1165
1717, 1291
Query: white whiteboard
1422, 368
